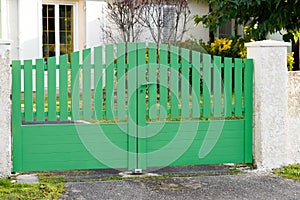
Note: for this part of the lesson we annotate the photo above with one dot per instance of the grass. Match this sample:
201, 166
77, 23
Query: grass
290, 171
48, 188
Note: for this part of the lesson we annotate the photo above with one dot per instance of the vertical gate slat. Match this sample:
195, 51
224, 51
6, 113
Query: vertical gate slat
185, 83
248, 90
142, 134
195, 84
174, 82
206, 85
63, 88
228, 86
40, 98
98, 97
86, 85
121, 102
28, 100
163, 78
75, 91
152, 61
141, 82
238, 87
132, 109
16, 116
109, 92
52, 89
217, 87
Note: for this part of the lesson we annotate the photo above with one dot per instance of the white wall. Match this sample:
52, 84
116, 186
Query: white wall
94, 17
10, 25
270, 111
197, 31
22, 25
96, 9
5, 110
29, 29
293, 139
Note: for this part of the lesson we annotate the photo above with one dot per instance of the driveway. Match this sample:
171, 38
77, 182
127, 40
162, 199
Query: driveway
216, 183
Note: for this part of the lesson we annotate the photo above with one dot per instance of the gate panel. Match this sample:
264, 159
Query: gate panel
144, 107
196, 142
69, 146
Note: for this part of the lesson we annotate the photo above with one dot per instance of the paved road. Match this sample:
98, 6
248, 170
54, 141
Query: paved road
249, 185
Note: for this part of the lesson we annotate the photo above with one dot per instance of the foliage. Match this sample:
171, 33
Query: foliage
290, 61
262, 16
191, 44
43, 190
290, 171
232, 47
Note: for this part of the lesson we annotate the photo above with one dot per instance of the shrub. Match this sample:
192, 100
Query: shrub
290, 61
192, 44
231, 47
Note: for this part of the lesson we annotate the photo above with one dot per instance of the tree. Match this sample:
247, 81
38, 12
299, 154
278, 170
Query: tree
261, 16
165, 19
122, 20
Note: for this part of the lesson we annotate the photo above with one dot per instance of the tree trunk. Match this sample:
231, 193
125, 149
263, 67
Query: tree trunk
295, 49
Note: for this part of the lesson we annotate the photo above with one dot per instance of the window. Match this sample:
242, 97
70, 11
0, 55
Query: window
168, 22
228, 30
58, 31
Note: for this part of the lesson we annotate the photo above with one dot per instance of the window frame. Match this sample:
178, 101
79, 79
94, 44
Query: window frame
57, 33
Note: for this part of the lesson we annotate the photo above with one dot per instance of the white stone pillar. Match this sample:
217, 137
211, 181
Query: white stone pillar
5, 109
294, 116
270, 109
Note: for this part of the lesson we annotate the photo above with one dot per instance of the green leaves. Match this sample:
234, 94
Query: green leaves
263, 16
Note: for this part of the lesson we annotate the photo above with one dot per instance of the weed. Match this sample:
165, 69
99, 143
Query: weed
43, 190
290, 171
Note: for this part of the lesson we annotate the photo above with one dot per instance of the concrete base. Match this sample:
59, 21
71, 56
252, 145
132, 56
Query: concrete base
28, 179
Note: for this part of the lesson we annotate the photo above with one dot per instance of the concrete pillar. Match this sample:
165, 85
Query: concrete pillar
270, 108
294, 116
5, 109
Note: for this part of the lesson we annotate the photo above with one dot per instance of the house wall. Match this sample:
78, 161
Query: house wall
94, 18
9, 24
197, 31
22, 24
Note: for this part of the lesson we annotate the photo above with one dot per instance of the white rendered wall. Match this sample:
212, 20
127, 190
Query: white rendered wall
29, 29
270, 128
94, 18
294, 116
10, 25
5, 109
197, 31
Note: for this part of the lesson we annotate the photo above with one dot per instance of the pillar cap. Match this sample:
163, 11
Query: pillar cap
268, 43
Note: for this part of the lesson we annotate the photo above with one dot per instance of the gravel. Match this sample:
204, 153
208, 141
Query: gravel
249, 185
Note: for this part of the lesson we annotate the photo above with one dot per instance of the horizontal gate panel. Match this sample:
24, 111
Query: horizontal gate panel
198, 142
73, 146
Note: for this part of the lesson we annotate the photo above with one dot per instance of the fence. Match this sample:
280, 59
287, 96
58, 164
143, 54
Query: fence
275, 141
184, 96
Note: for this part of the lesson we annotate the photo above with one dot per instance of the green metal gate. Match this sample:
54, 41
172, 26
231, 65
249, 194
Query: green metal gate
131, 106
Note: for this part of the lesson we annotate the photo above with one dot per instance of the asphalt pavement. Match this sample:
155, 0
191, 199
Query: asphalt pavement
194, 182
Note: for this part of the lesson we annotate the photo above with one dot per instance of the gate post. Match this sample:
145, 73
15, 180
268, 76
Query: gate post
5, 109
270, 124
